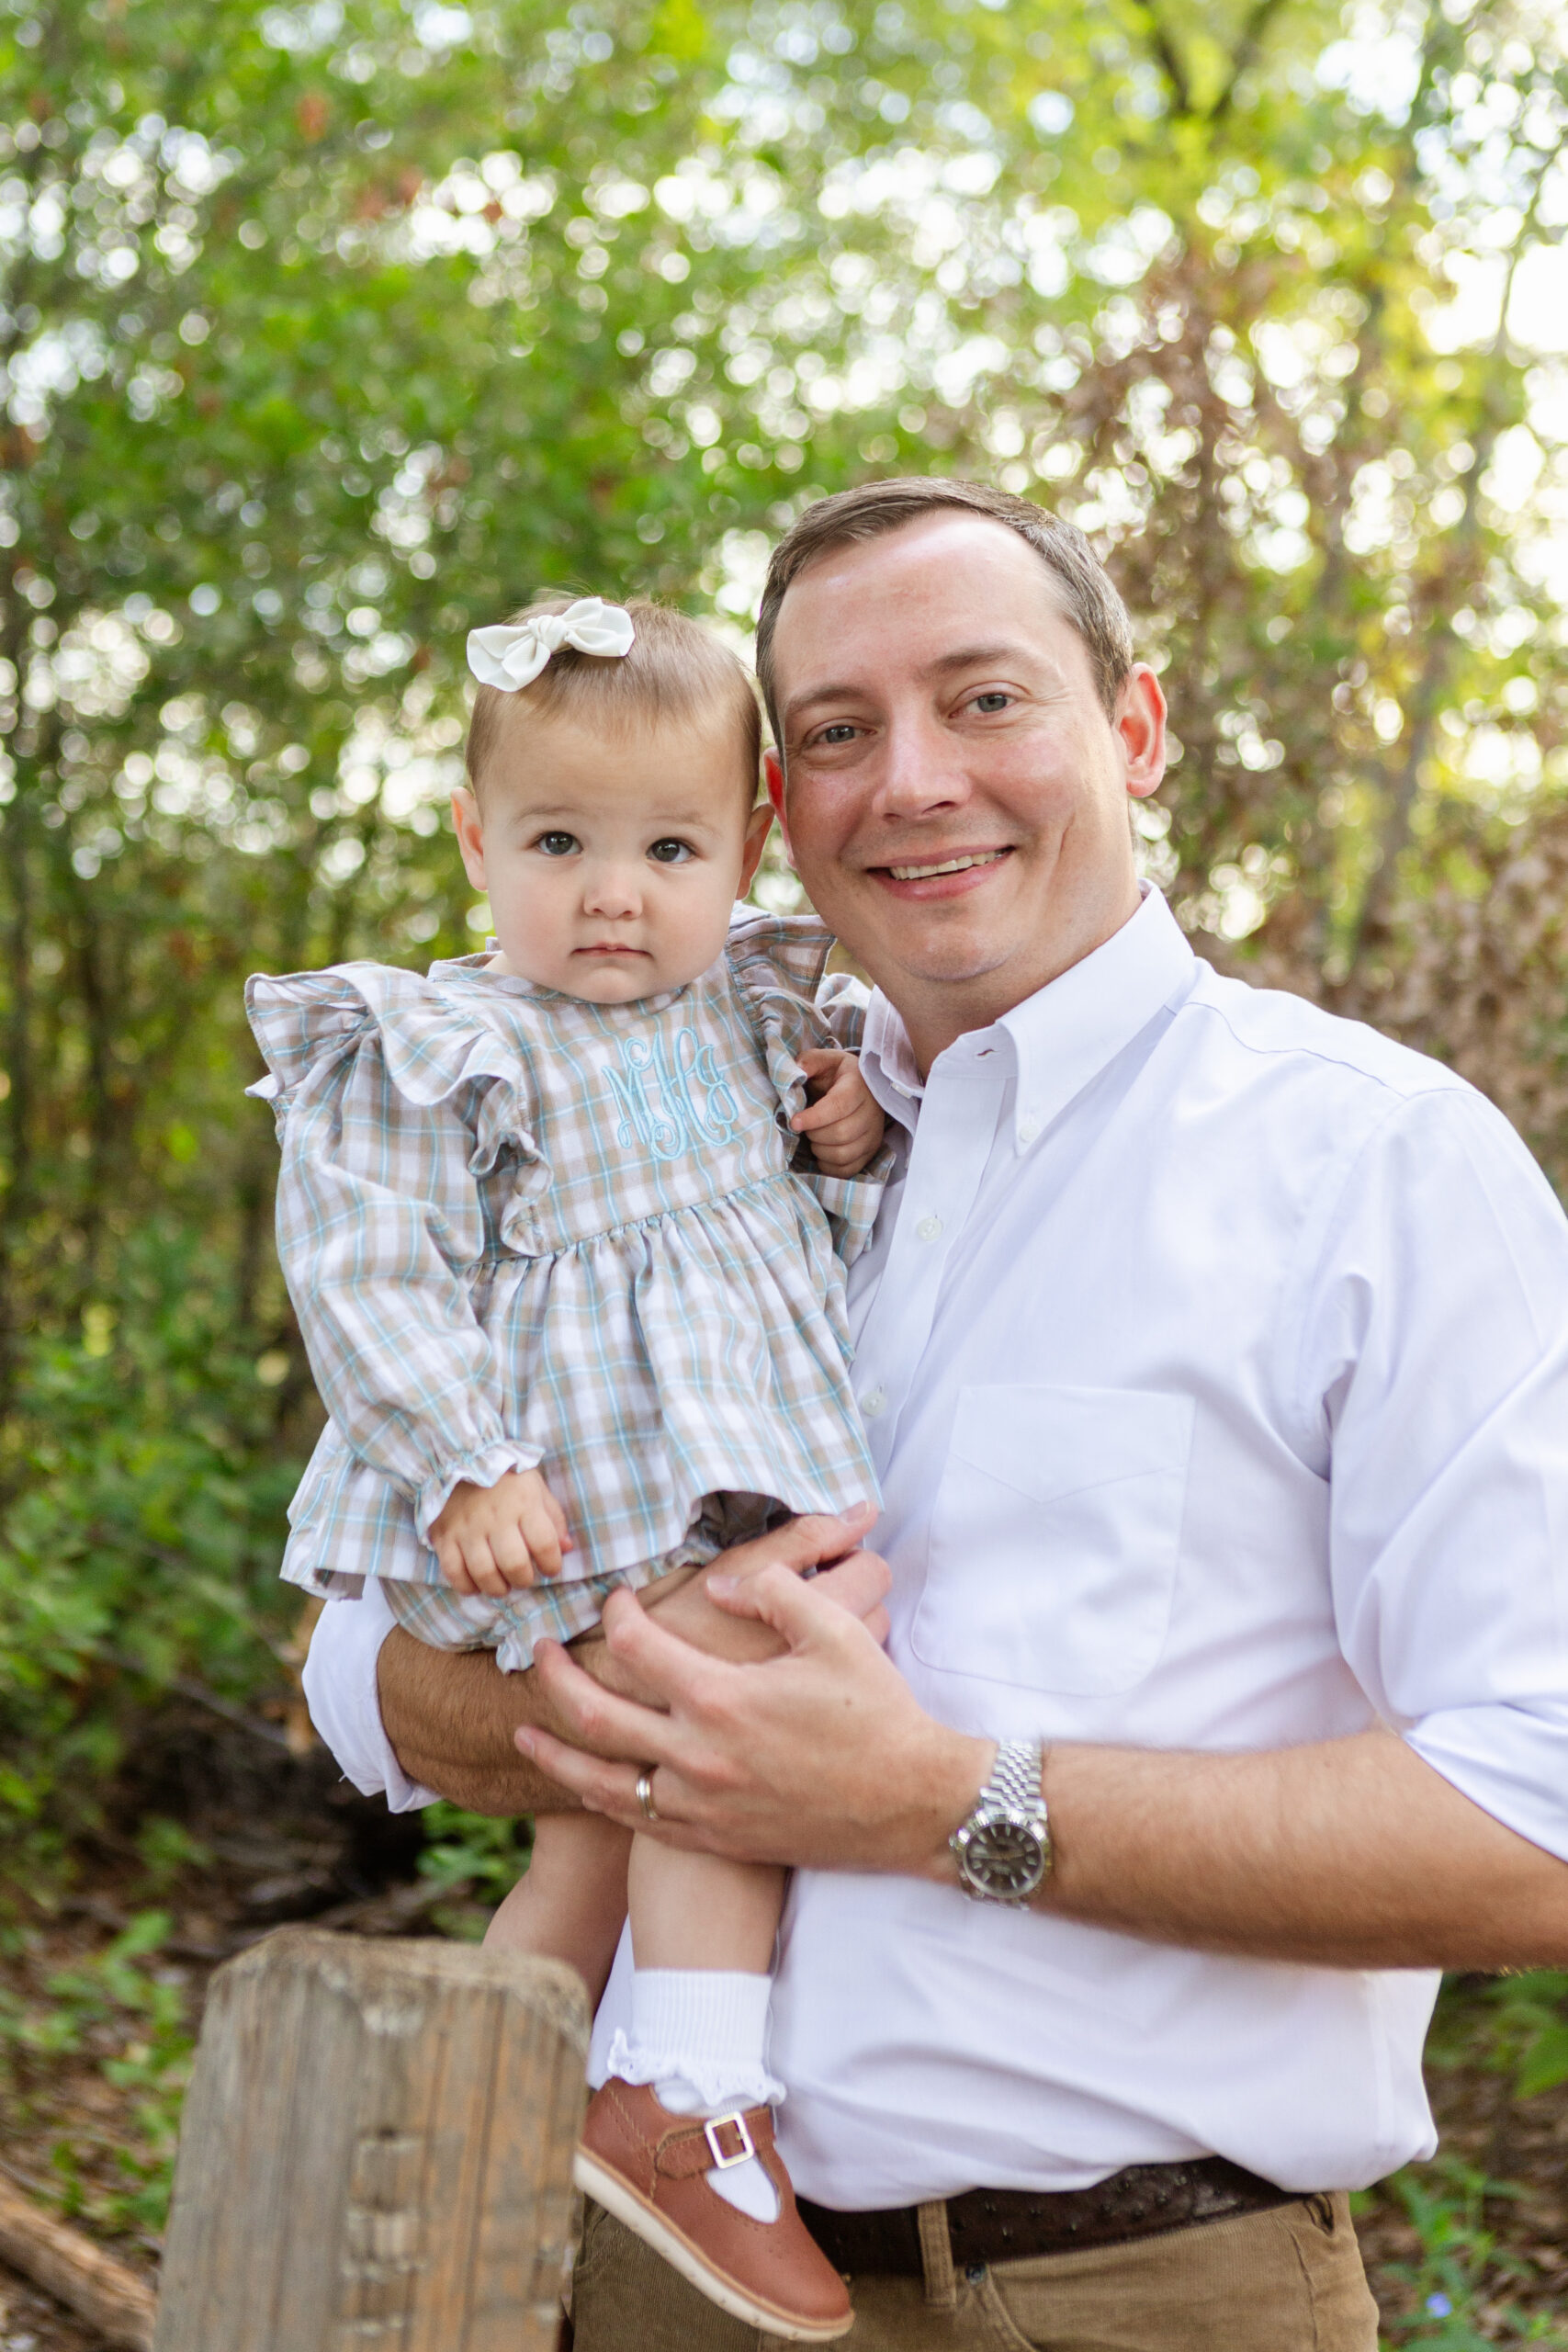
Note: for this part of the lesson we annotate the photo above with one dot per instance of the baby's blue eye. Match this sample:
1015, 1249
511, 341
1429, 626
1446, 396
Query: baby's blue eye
670, 852
556, 845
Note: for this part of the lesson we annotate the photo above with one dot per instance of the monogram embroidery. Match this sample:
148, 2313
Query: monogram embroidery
672, 1095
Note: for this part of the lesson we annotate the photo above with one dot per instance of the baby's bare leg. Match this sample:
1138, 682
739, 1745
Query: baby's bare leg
571, 1902
701, 1910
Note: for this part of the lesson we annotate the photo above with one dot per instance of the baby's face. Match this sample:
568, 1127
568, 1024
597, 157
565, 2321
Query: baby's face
611, 863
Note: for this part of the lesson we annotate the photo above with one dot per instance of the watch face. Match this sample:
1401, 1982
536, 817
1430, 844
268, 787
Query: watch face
1004, 1856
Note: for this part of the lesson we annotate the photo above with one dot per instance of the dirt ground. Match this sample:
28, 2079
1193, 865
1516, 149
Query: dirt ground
90, 2082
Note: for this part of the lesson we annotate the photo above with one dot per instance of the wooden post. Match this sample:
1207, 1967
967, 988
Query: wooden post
376, 2152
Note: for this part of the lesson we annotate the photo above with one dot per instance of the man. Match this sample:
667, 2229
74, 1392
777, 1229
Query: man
1214, 1355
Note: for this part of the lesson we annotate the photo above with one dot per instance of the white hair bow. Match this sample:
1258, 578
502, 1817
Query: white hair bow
512, 654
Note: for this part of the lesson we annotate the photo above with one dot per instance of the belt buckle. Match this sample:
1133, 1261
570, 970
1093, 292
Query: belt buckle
711, 2129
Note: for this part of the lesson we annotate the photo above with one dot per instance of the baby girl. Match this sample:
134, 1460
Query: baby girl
564, 1226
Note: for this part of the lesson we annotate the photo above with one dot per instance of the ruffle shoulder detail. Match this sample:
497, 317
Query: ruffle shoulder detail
779, 964
434, 1050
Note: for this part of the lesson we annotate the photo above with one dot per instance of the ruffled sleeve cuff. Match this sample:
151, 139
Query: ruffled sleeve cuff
484, 1468
849, 1202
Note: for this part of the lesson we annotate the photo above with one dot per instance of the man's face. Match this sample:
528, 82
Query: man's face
955, 796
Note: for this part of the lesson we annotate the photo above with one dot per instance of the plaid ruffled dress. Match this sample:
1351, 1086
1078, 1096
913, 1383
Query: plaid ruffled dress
523, 1231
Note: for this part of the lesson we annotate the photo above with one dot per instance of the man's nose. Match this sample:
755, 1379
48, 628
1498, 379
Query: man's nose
921, 772
613, 890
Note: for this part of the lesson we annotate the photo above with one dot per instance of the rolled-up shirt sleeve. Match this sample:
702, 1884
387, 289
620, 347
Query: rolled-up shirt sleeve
1434, 1360
344, 1699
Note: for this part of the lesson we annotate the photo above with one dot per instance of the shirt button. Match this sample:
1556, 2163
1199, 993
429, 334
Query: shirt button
873, 1402
1028, 1129
929, 1227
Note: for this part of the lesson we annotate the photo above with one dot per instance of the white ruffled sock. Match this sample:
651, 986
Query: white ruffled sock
699, 2036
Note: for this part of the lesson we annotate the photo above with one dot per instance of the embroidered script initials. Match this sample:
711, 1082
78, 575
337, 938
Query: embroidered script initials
672, 1095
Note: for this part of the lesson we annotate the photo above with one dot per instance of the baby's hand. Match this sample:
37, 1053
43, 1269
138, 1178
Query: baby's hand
843, 1120
494, 1539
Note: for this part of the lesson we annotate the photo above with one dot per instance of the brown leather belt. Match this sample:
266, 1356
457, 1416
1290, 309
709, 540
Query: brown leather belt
988, 2225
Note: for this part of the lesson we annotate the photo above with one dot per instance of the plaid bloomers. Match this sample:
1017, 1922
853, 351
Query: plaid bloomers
521, 1231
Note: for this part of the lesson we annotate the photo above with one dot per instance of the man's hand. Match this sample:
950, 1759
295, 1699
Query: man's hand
451, 1716
819, 1757
499, 1539
843, 1119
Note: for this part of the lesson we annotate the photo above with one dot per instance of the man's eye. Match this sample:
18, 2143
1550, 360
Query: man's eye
670, 852
841, 732
995, 700
556, 845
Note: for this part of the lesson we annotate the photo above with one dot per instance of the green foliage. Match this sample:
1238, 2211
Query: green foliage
141, 1540
1454, 2286
1531, 2029
473, 1860
118, 2011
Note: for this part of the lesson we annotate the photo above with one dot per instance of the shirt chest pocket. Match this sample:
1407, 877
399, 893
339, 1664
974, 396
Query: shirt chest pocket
1055, 1538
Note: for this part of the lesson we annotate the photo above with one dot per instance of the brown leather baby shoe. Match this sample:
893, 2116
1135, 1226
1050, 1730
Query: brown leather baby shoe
648, 2167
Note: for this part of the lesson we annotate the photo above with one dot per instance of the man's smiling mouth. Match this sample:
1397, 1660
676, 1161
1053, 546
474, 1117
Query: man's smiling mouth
949, 866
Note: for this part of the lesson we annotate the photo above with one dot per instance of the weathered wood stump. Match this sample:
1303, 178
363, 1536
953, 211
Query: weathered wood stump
376, 2152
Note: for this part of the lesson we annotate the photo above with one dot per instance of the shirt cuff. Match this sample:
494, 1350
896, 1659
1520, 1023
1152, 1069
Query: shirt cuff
1511, 1761
341, 1692
482, 1469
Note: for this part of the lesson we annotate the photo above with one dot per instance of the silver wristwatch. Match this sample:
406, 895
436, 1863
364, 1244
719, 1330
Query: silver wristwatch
1003, 1850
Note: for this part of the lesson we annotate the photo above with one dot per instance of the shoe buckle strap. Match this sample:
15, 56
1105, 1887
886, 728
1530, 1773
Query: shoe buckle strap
716, 2145
725, 2161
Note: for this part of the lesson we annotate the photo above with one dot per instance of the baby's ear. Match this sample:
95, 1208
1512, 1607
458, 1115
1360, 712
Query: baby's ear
469, 826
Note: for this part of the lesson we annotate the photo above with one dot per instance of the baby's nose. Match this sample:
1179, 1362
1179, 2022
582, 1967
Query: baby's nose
613, 890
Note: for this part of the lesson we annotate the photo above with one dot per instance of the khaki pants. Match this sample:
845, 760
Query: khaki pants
1286, 2280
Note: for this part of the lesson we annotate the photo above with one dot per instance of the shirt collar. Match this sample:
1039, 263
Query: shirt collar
1061, 1037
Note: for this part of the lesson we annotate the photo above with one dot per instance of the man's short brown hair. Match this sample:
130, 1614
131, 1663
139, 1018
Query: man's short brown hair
1082, 584
677, 672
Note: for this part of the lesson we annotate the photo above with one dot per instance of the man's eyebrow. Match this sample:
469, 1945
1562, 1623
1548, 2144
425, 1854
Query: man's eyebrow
970, 657
964, 657
797, 703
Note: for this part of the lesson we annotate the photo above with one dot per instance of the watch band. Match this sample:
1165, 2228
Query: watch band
1015, 1777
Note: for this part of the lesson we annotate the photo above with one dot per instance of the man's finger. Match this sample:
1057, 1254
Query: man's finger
807, 1543
600, 1719
859, 1585
611, 1789
794, 1607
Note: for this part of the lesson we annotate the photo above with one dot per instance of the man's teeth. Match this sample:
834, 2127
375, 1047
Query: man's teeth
953, 866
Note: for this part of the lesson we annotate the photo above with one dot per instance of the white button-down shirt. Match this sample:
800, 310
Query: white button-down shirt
1214, 1359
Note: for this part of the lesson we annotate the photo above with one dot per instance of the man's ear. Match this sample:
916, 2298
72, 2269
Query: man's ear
774, 775
470, 828
1140, 726
757, 832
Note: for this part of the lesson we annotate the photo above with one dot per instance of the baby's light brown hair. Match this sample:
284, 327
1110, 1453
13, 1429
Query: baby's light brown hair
677, 672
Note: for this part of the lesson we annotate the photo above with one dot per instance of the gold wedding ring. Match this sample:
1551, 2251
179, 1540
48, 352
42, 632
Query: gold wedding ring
645, 1794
